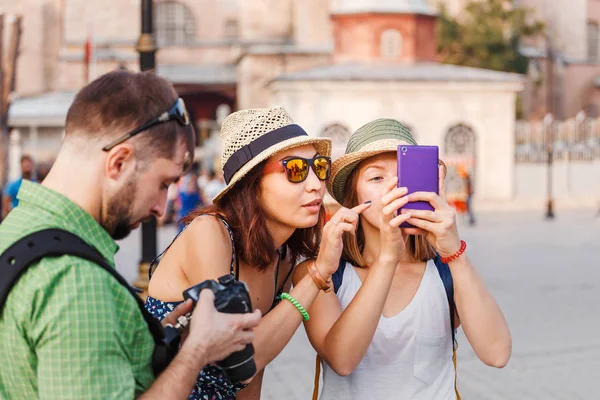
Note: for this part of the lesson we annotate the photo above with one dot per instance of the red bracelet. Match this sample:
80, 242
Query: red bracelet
463, 247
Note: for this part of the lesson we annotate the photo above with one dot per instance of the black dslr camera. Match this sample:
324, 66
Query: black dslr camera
231, 297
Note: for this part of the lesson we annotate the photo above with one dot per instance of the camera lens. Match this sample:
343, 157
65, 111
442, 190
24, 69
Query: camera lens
233, 298
240, 365
404, 149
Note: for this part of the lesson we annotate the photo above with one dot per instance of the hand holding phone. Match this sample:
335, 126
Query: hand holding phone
418, 171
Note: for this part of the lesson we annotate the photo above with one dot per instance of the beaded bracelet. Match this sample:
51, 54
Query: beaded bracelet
292, 300
463, 247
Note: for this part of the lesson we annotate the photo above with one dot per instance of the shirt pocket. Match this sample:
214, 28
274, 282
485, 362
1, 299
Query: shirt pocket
429, 357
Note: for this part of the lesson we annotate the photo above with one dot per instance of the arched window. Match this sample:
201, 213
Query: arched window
460, 141
391, 44
174, 24
231, 29
339, 135
459, 154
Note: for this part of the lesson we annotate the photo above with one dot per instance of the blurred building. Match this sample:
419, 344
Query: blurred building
334, 64
573, 28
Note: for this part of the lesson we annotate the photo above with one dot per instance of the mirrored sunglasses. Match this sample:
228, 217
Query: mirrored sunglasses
297, 168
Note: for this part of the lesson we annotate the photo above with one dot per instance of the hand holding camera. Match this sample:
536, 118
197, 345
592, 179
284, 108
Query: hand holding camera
220, 327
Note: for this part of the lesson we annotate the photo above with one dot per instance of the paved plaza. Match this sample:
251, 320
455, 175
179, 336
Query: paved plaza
545, 276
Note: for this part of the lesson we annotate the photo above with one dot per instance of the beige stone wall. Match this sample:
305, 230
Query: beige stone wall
198, 55
53, 38
270, 20
579, 87
71, 76
255, 72
39, 43
119, 20
108, 19
567, 23
593, 11
487, 108
312, 25
574, 90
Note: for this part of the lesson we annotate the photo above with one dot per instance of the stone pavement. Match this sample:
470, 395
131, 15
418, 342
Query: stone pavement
546, 278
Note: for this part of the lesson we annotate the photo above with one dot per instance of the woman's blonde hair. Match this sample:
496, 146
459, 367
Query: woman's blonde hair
354, 245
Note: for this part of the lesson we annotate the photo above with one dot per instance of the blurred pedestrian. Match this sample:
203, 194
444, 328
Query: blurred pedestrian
10, 200
190, 195
214, 186
463, 172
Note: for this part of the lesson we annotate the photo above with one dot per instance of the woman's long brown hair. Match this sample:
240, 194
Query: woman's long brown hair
253, 242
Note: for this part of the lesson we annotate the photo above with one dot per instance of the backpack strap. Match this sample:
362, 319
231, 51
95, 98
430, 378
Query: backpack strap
446, 276
31, 249
338, 275
444, 271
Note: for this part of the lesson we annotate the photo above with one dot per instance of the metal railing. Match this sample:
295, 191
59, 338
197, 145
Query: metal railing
571, 140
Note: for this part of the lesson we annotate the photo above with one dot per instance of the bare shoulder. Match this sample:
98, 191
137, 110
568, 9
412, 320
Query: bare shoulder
207, 227
205, 247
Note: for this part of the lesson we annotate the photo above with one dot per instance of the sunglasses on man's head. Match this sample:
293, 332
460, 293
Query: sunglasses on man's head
177, 112
297, 168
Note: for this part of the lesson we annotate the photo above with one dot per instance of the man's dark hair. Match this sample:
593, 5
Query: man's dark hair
119, 102
26, 157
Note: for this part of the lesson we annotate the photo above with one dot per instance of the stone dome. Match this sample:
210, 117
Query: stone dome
382, 6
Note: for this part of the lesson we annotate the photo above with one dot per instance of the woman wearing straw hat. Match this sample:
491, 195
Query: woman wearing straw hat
268, 216
386, 330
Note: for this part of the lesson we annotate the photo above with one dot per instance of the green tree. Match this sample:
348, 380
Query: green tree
487, 34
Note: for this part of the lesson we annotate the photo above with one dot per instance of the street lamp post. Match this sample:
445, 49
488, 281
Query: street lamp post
550, 56
146, 46
147, 51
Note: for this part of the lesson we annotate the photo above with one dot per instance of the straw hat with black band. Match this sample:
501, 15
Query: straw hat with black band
252, 136
380, 136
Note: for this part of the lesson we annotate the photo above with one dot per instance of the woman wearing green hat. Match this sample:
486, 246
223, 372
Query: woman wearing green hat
387, 330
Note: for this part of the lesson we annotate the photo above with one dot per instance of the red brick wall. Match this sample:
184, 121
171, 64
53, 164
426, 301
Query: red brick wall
426, 40
358, 36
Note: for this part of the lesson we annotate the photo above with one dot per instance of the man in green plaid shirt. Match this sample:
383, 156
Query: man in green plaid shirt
68, 329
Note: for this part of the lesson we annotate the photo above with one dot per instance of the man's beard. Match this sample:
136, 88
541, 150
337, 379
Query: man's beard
119, 212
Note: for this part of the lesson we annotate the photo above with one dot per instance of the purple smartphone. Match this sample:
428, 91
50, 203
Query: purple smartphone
418, 171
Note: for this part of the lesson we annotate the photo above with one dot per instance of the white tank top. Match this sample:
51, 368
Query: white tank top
410, 356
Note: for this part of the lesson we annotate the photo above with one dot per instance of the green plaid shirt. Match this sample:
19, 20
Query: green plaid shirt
69, 330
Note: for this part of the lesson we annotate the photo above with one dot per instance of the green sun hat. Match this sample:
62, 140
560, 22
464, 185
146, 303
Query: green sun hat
380, 136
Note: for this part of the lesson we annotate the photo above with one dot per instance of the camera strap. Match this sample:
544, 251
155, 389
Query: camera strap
53, 242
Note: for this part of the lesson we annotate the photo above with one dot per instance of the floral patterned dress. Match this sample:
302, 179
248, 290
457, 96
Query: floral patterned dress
212, 384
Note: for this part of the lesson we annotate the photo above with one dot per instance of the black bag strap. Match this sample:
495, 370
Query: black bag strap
54, 242
338, 275
446, 276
